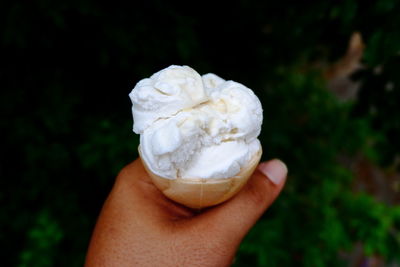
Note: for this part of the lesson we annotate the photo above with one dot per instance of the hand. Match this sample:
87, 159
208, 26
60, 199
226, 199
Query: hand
139, 226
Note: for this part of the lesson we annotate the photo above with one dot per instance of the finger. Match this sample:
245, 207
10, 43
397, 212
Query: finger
135, 188
233, 219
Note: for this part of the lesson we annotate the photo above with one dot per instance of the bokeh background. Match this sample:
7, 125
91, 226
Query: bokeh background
328, 76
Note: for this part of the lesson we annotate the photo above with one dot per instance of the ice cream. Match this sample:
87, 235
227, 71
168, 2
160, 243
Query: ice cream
196, 129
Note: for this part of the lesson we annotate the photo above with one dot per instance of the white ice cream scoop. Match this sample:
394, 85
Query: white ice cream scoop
198, 135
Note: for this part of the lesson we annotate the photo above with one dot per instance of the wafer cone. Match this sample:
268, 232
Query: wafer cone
200, 193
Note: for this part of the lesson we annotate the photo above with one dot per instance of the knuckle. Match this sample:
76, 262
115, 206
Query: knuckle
123, 172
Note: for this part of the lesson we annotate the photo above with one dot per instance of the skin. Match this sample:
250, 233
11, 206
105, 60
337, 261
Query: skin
139, 226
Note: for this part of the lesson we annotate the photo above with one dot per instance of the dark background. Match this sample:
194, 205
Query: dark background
67, 68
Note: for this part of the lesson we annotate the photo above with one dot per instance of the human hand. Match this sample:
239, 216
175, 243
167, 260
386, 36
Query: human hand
139, 226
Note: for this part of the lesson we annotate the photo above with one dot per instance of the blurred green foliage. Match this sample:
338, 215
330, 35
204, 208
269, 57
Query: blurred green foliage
67, 69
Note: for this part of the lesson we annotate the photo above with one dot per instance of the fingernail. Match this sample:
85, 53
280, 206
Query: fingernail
275, 170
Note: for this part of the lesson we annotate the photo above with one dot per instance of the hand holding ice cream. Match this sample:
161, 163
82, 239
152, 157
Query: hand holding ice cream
139, 226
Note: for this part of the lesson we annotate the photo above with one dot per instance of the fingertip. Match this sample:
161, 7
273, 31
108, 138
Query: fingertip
275, 170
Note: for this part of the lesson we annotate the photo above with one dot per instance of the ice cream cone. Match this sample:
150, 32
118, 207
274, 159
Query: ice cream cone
201, 193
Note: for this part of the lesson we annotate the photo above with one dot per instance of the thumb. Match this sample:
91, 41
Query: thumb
233, 219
